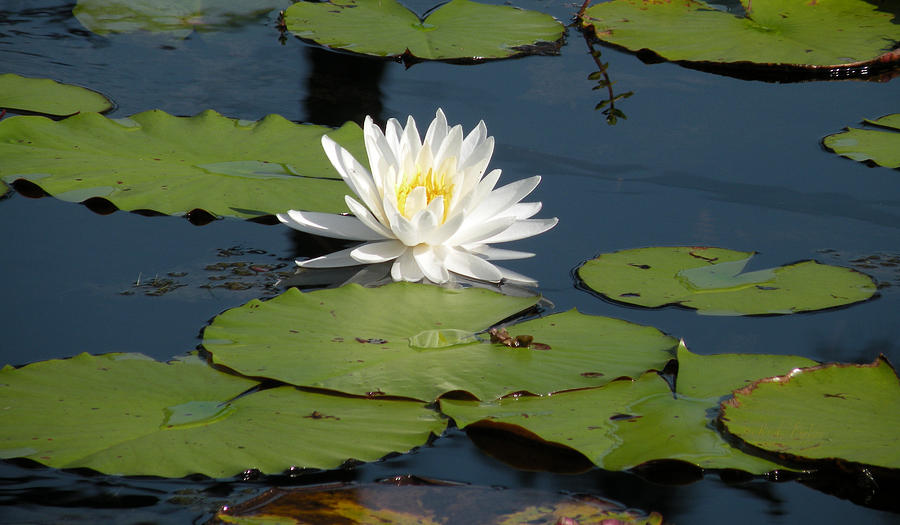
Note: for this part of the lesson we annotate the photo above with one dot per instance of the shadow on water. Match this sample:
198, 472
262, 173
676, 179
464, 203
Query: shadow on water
342, 87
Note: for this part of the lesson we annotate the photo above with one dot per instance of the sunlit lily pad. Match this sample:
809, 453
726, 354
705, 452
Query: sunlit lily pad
43, 95
831, 412
126, 414
176, 17
618, 426
713, 281
370, 341
415, 503
775, 34
878, 143
174, 165
459, 29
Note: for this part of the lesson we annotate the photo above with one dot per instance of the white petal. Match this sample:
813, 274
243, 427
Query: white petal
497, 254
410, 140
376, 143
432, 266
473, 140
426, 221
378, 252
381, 157
448, 153
465, 263
503, 198
438, 129
424, 160
332, 260
475, 163
370, 221
522, 229
477, 232
445, 231
392, 133
416, 201
329, 225
516, 278
523, 210
400, 225
354, 174
406, 269
362, 181
484, 187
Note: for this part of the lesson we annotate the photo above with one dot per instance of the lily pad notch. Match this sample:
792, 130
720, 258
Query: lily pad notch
460, 31
774, 40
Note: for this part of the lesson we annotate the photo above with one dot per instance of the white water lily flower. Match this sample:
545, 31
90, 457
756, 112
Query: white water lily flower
427, 206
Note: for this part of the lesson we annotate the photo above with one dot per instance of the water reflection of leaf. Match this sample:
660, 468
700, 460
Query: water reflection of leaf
601, 76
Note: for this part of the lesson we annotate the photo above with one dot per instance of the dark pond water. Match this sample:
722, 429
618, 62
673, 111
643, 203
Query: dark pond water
701, 160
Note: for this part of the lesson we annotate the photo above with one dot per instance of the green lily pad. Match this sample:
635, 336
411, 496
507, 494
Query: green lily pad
880, 145
628, 423
774, 34
174, 165
713, 376
176, 17
42, 95
126, 414
459, 29
369, 341
618, 426
830, 412
712, 281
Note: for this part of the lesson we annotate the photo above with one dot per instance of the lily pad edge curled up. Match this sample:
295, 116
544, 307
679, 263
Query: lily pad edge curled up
426, 205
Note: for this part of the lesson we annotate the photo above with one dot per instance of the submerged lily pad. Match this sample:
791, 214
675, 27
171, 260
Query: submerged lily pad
406, 500
176, 17
712, 281
839, 412
43, 95
775, 34
129, 415
174, 165
370, 341
459, 29
879, 143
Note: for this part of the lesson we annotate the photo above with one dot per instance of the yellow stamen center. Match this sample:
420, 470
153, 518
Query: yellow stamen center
435, 185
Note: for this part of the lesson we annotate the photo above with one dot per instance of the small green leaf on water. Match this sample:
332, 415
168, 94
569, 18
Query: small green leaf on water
879, 142
46, 96
711, 281
459, 29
